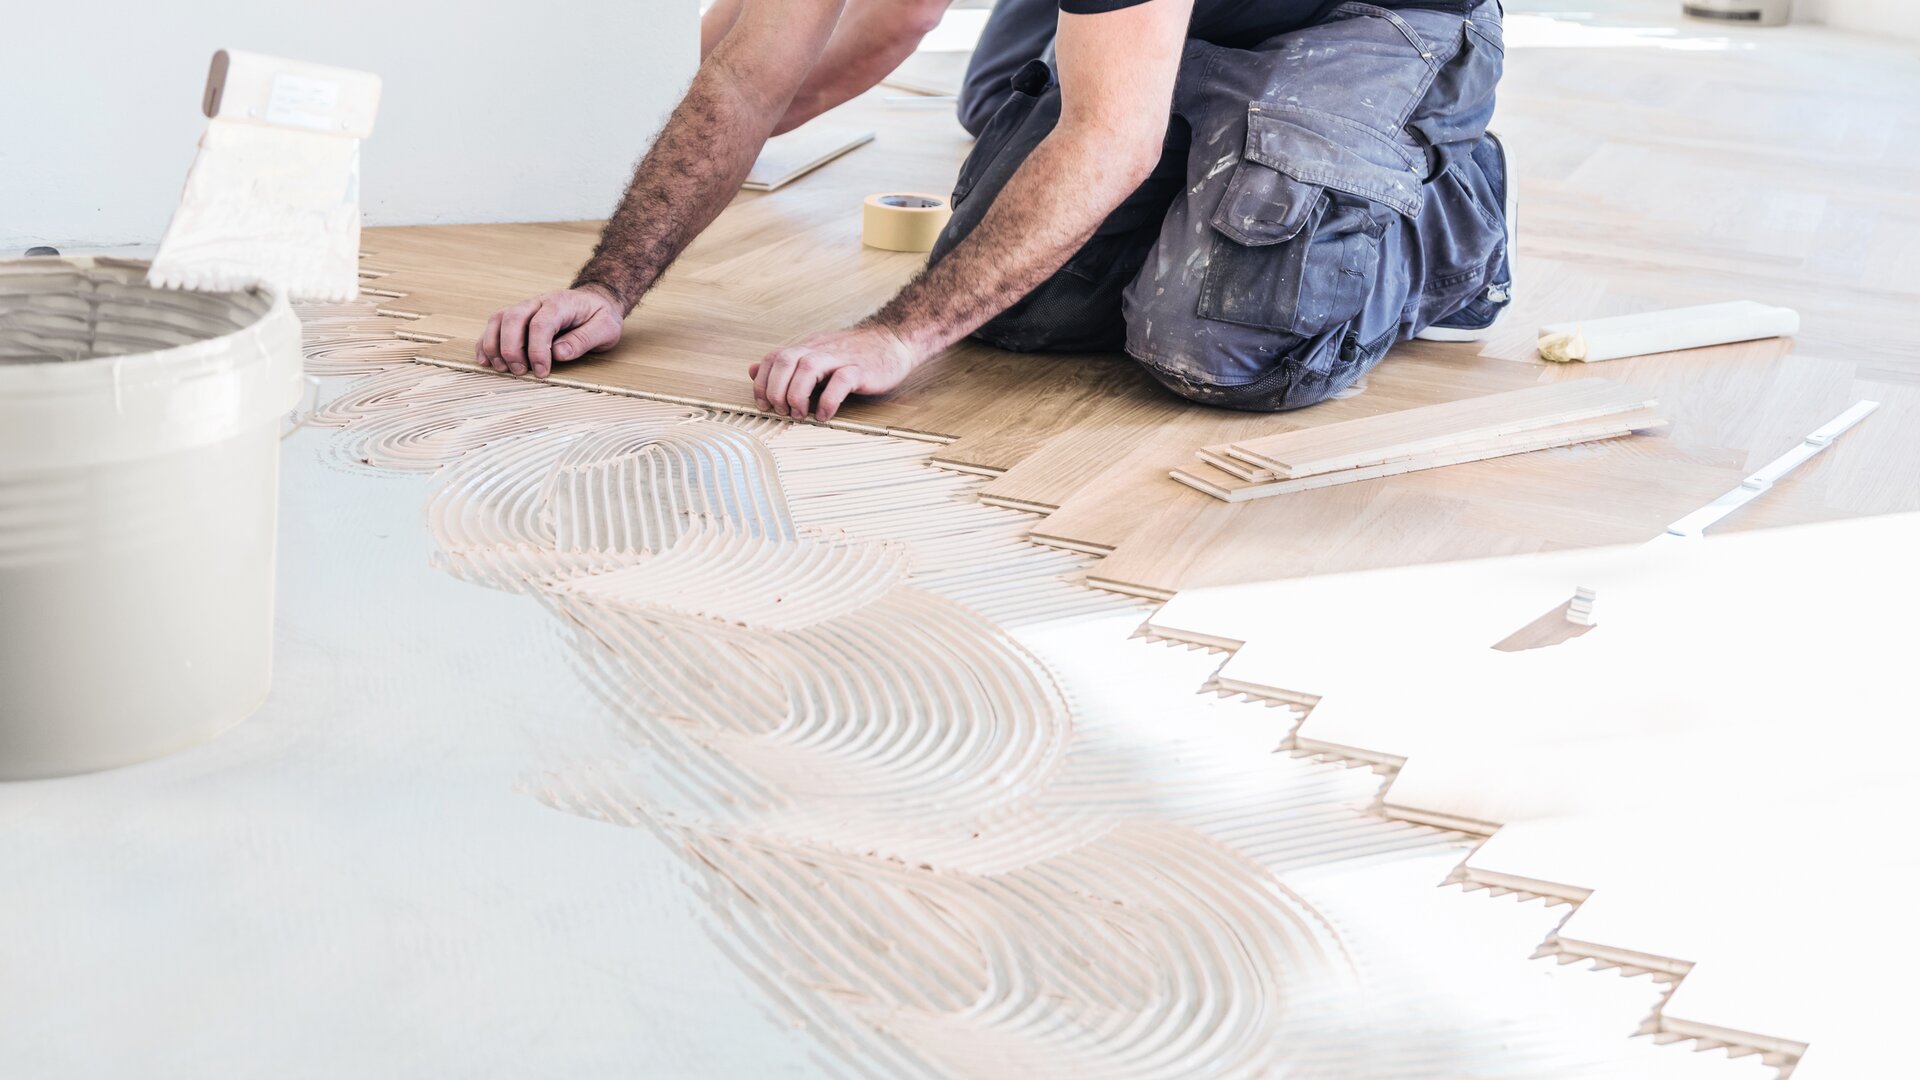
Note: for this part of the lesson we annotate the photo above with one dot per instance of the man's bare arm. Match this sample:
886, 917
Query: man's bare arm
714, 24
744, 86
870, 40
709, 143
1116, 74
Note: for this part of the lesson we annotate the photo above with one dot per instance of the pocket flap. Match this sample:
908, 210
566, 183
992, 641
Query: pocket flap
1316, 147
1262, 206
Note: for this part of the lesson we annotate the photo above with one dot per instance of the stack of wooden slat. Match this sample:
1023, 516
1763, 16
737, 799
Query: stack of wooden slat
1536, 418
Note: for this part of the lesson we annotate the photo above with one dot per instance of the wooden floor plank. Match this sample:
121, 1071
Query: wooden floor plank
1669, 164
1231, 488
1387, 436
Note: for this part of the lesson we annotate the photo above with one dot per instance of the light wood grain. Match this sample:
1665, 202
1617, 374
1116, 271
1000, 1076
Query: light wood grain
786, 158
1431, 428
1770, 165
1231, 488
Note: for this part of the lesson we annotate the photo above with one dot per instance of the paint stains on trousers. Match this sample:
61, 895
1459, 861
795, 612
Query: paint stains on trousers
1316, 200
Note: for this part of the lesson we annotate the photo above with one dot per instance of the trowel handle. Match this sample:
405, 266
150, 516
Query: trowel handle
256, 89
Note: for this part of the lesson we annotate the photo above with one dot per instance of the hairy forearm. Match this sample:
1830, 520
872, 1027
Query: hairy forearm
745, 83
1045, 213
688, 176
1116, 70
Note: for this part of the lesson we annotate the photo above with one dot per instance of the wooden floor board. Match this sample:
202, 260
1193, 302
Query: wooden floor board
1670, 164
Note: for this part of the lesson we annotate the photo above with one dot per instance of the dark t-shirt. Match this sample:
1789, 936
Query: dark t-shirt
1244, 22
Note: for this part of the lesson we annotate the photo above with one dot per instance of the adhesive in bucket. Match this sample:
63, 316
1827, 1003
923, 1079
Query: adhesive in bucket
139, 474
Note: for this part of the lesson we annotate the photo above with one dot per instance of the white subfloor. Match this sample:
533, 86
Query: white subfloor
355, 881
348, 883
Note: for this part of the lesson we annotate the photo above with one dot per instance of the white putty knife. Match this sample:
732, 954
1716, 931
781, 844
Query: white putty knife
274, 194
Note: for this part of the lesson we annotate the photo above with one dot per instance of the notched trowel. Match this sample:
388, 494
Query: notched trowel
274, 194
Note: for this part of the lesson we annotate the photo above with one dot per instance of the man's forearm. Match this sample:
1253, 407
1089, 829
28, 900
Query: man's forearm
688, 176
871, 39
709, 143
714, 24
1045, 213
1116, 70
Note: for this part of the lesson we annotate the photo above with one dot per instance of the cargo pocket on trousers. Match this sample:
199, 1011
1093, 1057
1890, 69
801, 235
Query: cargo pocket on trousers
1298, 228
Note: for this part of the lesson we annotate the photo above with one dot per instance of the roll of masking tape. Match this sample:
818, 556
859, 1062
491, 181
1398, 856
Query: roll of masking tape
903, 221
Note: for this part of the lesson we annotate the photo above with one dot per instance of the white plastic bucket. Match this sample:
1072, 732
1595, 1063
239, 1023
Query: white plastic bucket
139, 479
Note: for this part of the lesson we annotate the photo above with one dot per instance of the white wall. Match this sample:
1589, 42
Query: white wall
507, 110
1888, 18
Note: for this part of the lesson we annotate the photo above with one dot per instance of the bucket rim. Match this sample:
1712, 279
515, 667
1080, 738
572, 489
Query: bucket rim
209, 353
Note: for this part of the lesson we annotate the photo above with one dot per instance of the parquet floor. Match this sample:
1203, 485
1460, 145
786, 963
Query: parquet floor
1661, 164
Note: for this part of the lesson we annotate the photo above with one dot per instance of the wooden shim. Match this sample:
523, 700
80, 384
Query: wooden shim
1432, 428
786, 158
1233, 489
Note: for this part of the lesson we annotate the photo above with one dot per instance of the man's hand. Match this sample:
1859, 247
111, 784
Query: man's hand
564, 325
755, 55
866, 359
1117, 70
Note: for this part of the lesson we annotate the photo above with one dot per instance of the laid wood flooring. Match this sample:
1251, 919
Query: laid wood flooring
1660, 163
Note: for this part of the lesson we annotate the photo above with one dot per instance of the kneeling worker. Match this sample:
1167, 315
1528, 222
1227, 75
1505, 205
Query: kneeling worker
1253, 198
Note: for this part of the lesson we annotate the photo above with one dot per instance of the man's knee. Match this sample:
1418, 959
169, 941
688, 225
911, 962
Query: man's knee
1294, 392
1295, 379
1286, 270
1264, 327
1255, 367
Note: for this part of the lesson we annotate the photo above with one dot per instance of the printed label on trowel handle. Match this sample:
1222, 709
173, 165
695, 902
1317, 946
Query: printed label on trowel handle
250, 88
298, 101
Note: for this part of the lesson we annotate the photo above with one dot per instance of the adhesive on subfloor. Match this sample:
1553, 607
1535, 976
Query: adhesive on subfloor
930, 850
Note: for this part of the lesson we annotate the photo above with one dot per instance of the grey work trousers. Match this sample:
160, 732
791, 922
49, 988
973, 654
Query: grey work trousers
1319, 197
